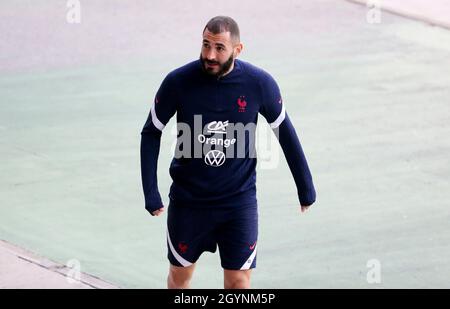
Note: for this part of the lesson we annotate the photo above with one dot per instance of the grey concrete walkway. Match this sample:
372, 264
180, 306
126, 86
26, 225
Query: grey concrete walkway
20, 269
435, 12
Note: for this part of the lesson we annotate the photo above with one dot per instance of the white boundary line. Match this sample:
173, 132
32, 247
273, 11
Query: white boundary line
404, 13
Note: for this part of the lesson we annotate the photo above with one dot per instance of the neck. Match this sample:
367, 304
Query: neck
229, 70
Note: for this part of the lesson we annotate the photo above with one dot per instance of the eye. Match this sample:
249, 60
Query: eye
205, 45
220, 48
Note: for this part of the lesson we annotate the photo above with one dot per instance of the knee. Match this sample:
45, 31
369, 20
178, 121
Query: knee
174, 282
178, 280
241, 282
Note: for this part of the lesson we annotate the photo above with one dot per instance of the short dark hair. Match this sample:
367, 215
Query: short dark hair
221, 24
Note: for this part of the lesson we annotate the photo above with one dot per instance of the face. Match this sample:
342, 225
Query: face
218, 53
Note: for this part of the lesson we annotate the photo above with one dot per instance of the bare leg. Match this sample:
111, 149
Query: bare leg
179, 277
237, 279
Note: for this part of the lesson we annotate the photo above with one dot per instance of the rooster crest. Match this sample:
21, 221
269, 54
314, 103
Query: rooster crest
242, 103
183, 247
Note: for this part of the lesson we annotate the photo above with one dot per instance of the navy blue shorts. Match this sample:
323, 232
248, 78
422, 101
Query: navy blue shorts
192, 231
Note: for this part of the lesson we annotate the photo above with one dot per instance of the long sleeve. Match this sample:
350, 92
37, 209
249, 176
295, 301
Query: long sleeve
163, 109
272, 108
150, 145
296, 160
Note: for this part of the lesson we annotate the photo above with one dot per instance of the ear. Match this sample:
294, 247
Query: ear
238, 49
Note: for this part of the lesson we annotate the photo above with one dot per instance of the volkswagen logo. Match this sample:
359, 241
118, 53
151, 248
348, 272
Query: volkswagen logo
215, 158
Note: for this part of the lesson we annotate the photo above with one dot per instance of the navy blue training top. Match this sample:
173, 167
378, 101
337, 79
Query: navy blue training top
214, 161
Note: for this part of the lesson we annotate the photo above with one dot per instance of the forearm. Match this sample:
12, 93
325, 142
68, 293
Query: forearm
150, 145
296, 160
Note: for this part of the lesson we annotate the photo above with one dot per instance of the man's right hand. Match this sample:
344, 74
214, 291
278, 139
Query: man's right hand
158, 212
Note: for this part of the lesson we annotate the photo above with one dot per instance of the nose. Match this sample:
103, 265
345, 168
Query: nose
211, 55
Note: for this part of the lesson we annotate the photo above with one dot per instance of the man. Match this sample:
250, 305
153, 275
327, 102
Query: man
213, 194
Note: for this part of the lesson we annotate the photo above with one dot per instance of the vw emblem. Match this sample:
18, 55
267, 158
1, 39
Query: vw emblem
215, 158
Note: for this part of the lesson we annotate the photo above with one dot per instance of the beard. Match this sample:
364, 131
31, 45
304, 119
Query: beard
223, 67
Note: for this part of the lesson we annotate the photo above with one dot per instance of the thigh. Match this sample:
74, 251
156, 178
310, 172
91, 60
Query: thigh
181, 273
237, 278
